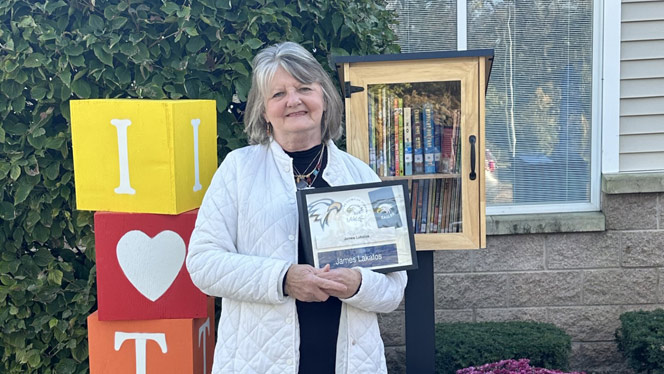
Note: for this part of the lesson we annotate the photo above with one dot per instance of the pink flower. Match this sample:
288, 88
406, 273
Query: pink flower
521, 366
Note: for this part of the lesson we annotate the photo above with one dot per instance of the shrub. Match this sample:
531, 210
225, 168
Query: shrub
640, 338
460, 345
52, 51
521, 366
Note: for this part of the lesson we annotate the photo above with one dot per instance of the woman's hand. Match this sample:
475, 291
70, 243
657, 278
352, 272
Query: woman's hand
304, 283
351, 278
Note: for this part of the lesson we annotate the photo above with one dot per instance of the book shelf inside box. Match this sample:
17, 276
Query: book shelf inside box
413, 120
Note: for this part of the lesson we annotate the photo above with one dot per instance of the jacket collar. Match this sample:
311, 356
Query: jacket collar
335, 173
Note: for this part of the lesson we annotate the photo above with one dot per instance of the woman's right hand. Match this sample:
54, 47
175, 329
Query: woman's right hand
303, 283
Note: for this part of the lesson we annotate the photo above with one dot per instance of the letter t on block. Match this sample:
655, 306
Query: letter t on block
141, 340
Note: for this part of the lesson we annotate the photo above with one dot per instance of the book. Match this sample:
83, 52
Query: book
427, 127
441, 203
398, 120
383, 102
420, 198
389, 119
372, 131
380, 133
407, 142
446, 206
457, 221
425, 206
401, 137
418, 149
413, 203
436, 209
437, 135
432, 200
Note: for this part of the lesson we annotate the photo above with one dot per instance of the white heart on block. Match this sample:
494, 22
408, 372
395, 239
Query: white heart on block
151, 264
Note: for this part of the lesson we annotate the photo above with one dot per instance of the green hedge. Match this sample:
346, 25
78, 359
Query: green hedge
460, 345
52, 51
640, 338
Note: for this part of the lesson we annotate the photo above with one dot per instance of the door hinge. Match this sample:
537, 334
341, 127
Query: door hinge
349, 90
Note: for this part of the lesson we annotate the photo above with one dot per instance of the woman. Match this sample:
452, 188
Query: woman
278, 314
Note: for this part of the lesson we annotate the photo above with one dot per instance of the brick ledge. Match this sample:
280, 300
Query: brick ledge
545, 223
618, 183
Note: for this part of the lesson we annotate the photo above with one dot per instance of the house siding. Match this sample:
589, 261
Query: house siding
642, 86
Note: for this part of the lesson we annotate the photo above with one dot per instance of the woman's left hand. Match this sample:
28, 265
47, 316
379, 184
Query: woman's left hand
351, 278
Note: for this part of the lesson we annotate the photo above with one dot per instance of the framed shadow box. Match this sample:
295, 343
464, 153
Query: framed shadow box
362, 225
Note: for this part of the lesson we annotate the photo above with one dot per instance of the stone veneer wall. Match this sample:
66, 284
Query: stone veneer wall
581, 282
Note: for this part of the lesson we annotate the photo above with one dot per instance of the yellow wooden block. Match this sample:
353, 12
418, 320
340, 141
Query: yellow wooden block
143, 156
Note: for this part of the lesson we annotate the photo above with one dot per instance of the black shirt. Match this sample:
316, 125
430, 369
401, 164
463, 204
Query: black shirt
319, 321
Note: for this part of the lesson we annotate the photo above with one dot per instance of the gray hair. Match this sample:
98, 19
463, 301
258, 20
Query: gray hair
299, 63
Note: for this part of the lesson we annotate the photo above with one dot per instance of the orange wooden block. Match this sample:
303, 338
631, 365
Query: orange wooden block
160, 346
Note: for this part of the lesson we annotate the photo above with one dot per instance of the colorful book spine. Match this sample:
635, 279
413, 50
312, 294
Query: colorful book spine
380, 161
397, 136
427, 124
372, 132
432, 198
425, 206
418, 149
434, 222
437, 135
390, 135
402, 135
420, 198
414, 189
407, 141
446, 206
455, 141
441, 204
383, 102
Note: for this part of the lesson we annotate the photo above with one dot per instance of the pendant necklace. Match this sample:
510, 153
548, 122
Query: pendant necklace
303, 181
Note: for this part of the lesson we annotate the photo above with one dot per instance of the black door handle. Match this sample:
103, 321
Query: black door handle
473, 175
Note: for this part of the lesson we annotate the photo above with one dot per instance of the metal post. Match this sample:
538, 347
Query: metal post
420, 320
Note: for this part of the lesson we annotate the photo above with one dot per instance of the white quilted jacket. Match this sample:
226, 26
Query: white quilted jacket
244, 241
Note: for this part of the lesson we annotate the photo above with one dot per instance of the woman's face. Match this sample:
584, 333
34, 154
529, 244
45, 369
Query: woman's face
295, 110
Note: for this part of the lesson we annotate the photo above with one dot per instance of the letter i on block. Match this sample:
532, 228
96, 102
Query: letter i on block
173, 346
141, 272
143, 156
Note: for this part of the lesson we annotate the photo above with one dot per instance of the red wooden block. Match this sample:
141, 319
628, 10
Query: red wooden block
140, 267
177, 346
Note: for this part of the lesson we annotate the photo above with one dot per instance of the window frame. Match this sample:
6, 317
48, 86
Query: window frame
604, 107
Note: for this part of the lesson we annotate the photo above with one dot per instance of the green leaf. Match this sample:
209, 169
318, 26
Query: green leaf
118, 22
10, 65
169, 8
34, 60
11, 88
96, 22
22, 192
7, 210
51, 171
195, 44
191, 31
15, 172
239, 67
34, 358
38, 92
254, 43
43, 257
74, 49
81, 88
102, 55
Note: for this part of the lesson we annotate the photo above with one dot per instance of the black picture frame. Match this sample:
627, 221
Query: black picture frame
368, 225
